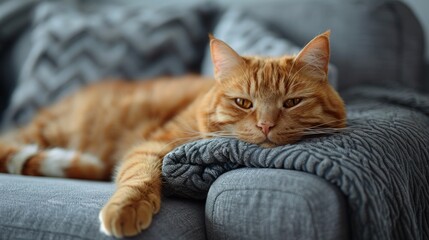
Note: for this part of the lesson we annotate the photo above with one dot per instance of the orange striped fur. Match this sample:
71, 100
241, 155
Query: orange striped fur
266, 101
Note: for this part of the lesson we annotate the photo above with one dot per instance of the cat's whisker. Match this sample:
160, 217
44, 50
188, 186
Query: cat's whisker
317, 129
328, 123
215, 134
306, 132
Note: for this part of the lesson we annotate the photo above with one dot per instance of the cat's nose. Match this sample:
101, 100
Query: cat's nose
265, 126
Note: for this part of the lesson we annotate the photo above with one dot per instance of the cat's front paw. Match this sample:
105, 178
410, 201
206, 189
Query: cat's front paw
125, 219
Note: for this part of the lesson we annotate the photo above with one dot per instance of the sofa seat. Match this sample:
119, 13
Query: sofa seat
47, 208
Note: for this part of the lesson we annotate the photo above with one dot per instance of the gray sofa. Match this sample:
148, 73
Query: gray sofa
376, 44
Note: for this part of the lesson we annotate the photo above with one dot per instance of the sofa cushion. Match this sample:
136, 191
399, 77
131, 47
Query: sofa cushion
249, 37
70, 47
275, 204
48, 208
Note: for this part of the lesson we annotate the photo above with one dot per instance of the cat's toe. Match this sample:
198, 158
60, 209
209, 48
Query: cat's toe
124, 220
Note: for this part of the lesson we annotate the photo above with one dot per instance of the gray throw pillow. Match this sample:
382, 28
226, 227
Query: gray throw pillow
70, 46
249, 37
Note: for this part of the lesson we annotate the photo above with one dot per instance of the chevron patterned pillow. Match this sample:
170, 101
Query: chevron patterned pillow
71, 47
249, 37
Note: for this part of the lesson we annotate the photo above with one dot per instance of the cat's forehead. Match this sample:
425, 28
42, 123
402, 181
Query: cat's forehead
266, 78
261, 61
268, 67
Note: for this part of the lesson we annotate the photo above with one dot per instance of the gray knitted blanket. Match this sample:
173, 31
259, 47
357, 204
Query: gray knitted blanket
380, 163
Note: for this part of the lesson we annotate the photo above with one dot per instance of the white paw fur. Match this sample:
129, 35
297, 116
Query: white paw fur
102, 228
56, 161
15, 164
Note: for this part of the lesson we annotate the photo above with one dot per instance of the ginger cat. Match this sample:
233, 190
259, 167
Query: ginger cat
266, 101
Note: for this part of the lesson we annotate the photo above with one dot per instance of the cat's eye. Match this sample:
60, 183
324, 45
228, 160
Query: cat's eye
291, 102
243, 103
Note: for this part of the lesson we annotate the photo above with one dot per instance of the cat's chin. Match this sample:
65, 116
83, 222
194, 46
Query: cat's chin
267, 144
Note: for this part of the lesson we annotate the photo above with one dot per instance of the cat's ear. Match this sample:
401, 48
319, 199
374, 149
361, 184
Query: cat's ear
313, 59
225, 60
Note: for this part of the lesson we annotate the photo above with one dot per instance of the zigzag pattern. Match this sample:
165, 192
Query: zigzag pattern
71, 48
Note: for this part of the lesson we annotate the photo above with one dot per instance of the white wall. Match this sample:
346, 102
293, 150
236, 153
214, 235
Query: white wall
421, 9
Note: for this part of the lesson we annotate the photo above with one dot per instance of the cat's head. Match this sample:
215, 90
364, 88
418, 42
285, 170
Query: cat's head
275, 101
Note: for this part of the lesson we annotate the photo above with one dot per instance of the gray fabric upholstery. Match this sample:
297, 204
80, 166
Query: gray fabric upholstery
379, 162
70, 48
275, 204
13, 18
47, 208
249, 37
372, 42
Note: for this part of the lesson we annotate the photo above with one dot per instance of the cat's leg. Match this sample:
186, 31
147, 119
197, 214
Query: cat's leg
54, 162
16, 148
138, 194
7, 151
21, 154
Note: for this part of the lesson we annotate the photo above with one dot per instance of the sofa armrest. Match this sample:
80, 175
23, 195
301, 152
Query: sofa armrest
274, 204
